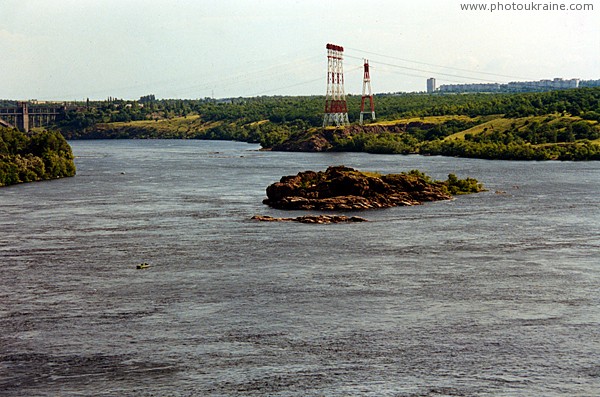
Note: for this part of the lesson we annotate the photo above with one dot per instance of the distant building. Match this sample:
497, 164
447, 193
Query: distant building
556, 84
430, 85
513, 86
486, 87
589, 83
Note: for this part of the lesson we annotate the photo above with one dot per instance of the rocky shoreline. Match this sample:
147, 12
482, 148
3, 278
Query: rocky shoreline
323, 139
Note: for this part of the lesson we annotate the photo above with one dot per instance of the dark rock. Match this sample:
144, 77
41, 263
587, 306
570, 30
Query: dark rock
343, 188
321, 219
324, 139
312, 143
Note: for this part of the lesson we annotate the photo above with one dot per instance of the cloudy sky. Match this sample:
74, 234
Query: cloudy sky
75, 49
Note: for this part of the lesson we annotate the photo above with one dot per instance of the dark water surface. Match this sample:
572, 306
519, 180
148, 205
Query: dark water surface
494, 294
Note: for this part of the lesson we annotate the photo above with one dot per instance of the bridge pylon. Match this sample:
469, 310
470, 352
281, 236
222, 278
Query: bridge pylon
23, 118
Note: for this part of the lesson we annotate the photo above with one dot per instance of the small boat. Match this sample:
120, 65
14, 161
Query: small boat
142, 266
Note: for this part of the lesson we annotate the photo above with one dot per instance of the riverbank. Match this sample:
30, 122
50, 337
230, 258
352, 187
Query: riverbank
556, 125
496, 137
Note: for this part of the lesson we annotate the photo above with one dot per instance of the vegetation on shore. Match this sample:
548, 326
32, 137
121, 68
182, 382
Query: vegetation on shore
28, 158
555, 125
551, 137
453, 185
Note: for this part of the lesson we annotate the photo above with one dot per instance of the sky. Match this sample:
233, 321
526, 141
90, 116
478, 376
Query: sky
78, 49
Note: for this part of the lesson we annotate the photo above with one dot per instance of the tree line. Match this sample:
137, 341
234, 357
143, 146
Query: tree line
308, 110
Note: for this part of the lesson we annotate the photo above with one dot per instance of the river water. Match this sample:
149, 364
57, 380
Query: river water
493, 294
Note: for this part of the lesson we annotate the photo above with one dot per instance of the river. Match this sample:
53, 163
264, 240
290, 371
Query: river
492, 294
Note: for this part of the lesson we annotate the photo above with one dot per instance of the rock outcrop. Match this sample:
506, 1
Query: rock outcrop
324, 139
342, 188
311, 219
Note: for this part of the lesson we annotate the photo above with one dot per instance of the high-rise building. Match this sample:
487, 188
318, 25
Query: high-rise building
430, 85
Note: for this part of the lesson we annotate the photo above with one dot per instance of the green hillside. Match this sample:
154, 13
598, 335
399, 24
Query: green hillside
561, 125
24, 158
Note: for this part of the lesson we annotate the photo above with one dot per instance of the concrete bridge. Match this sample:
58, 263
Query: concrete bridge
24, 117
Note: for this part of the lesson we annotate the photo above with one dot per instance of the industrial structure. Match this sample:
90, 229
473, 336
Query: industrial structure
336, 108
367, 84
24, 117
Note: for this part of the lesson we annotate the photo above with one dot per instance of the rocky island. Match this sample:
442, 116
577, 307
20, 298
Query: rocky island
341, 188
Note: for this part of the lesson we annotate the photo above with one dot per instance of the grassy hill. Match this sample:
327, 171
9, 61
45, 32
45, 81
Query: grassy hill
548, 137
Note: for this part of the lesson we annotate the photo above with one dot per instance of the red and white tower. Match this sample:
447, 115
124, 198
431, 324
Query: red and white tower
367, 83
336, 109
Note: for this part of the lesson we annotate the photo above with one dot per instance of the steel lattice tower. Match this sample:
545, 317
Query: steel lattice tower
336, 109
367, 83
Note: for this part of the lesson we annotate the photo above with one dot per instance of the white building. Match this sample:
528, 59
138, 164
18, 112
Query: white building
519, 86
430, 85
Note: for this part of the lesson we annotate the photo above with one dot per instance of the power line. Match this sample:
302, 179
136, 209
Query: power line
288, 86
427, 71
439, 66
303, 82
425, 76
250, 76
